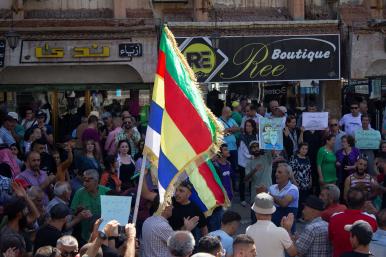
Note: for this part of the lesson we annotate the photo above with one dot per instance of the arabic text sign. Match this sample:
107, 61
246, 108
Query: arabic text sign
67, 51
315, 120
130, 50
115, 208
367, 139
271, 133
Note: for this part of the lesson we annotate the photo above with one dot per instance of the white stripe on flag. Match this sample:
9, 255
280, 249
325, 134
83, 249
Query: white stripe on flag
153, 141
161, 192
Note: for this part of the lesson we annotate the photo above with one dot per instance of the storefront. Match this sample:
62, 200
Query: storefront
75, 76
294, 69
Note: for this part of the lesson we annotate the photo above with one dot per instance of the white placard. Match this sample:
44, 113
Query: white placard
315, 120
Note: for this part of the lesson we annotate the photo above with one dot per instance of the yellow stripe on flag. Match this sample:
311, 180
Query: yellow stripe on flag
159, 91
202, 189
173, 144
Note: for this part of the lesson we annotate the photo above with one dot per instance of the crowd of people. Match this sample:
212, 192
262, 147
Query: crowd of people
319, 196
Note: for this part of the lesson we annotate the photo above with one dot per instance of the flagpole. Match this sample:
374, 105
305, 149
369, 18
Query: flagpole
139, 190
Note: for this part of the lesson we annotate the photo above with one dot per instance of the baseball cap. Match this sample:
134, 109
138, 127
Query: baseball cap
59, 211
361, 230
94, 113
315, 203
14, 115
235, 104
263, 204
253, 142
106, 115
282, 109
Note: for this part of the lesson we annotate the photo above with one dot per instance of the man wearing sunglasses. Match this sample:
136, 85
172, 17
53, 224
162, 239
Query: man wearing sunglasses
352, 121
333, 129
68, 246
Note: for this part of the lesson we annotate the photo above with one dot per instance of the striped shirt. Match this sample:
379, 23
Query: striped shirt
6, 136
155, 233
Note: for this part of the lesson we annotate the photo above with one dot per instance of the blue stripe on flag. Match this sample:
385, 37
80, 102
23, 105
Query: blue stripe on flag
166, 170
197, 201
155, 119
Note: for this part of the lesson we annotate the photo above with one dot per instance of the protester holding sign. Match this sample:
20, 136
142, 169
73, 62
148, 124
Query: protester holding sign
376, 139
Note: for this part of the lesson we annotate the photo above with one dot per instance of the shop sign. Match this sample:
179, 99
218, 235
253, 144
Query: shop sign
275, 90
309, 90
75, 51
130, 50
2, 52
264, 58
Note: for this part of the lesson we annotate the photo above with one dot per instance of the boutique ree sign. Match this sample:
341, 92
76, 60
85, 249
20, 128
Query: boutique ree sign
264, 58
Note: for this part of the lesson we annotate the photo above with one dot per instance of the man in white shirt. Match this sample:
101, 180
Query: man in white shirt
270, 240
251, 114
351, 121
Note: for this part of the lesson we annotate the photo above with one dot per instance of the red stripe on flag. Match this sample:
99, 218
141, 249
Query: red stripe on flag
185, 116
216, 190
161, 67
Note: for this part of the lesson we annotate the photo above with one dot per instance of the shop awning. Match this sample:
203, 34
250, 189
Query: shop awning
377, 69
71, 77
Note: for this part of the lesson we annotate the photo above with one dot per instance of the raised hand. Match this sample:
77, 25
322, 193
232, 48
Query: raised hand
191, 223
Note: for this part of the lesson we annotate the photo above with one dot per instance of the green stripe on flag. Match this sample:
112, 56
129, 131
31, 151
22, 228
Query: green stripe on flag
181, 76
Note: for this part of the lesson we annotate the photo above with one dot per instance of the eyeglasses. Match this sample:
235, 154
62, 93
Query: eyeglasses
69, 254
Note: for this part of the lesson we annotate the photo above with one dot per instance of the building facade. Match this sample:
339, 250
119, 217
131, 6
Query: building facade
95, 48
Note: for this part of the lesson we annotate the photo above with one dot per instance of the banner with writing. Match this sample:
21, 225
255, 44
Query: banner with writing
271, 133
263, 58
315, 120
367, 139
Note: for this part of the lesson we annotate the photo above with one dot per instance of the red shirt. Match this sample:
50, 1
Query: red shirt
333, 208
340, 239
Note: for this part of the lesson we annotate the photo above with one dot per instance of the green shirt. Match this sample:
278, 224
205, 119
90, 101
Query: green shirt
326, 160
84, 199
237, 117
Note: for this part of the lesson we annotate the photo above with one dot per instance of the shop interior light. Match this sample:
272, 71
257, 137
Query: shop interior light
12, 39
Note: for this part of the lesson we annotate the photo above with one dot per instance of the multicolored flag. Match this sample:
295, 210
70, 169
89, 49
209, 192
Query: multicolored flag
182, 132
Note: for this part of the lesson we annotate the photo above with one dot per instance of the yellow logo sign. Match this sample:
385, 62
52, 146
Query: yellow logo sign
201, 58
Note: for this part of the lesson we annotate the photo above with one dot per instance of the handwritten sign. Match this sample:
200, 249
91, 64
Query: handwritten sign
367, 139
115, 208
271, 133
315, 120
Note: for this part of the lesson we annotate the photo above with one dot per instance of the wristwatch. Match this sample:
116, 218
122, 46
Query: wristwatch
102, 235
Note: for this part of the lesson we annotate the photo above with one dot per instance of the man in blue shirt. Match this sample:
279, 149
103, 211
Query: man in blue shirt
6, 131
230, 129
230, 223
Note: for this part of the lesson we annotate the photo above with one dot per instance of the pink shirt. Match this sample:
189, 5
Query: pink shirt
110, 146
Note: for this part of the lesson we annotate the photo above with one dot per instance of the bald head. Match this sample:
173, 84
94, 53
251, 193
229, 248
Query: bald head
226, 112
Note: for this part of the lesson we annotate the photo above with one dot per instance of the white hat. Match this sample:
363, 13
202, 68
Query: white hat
263, 204
14, 115
282, 109
94, 113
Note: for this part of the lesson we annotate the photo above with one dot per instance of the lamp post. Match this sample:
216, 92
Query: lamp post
12, 38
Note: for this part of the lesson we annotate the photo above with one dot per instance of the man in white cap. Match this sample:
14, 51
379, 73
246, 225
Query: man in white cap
361, 234
270, 240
